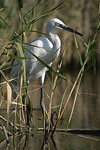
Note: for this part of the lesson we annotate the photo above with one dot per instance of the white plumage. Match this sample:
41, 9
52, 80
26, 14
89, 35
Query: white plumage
46, 48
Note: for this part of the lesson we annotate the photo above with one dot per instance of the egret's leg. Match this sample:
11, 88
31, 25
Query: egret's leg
41, 94
42, 102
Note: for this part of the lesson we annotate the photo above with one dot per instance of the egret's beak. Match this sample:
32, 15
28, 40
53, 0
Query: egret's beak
70, 30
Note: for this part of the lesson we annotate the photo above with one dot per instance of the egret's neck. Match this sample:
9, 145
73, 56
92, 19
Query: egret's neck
54, 40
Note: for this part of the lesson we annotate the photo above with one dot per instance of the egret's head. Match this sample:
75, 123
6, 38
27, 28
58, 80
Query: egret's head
56, 24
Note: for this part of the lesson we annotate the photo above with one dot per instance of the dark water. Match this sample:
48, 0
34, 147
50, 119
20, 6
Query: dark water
86, 115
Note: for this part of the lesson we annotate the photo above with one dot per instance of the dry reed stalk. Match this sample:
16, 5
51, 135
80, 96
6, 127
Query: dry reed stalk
78, 85
62, 101
6, 134
52, 93
9, 96
73, 106
23, 76
73, 88
10, 123
14, 121
21, 110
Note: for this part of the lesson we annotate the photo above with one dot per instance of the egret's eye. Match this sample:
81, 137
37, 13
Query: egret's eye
57, 24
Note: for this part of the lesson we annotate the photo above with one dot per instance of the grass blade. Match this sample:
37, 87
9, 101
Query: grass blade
20, 3
4, 21
19, 58
78, 50
23, 61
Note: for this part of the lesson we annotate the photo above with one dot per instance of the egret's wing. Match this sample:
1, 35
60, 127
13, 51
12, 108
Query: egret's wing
41, 48
16, 68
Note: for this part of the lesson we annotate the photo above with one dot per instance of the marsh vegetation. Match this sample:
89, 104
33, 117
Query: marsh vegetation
71, 90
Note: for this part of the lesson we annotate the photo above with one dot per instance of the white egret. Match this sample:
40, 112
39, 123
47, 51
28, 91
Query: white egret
47, 49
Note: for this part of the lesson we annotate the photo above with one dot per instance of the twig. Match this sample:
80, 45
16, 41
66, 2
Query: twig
9, 133
6, 134
10, 123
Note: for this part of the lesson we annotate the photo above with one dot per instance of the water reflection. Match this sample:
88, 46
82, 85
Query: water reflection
86, 115
57, 142
46, 144
29, 141
87, 108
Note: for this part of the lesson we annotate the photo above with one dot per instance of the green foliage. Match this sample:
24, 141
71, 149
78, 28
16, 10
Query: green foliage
20, 2
18, 21
21, 51
27, 19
